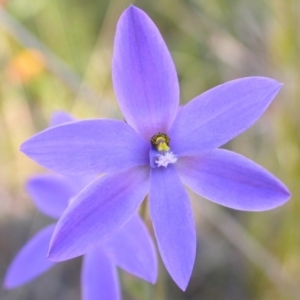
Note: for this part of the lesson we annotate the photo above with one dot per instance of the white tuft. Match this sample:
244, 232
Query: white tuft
165, 159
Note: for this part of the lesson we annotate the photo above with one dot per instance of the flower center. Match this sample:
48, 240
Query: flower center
160, 154
160, 141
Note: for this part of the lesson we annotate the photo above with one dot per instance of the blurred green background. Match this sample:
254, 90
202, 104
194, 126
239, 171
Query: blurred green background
240, 255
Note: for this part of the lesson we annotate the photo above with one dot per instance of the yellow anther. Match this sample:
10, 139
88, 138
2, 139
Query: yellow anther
163, 147
161, 142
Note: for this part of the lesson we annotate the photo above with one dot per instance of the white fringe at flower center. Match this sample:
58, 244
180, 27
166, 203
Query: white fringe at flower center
166, 158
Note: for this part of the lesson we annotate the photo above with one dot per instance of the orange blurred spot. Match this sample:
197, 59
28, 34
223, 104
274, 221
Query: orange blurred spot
25, 66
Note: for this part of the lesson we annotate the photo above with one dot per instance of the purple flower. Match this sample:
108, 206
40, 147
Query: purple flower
130, 247
157, 151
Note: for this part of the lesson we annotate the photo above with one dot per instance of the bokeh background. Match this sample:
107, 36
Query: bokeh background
56, 55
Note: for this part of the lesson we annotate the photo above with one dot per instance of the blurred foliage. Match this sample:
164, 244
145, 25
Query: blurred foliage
211, 42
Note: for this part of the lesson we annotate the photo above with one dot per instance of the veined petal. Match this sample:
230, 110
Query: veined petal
132, 249
173, 224
98, 211
60, 117
99, 278
144, 75
31, 261
220, 114
50, 193
88, 147
232, 180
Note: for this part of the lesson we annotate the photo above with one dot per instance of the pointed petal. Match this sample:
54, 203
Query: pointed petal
50, 193
220, 114
88, 147
144, 74
31, 261
132, 249
232, 180
99, 278
60, 117
98, 212
173, 224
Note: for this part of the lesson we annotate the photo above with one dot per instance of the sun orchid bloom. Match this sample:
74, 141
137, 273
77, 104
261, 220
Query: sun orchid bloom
157, 151
130, 248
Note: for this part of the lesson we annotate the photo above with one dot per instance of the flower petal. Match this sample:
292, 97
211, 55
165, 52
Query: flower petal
232, 180
31, 261
220, 114
132, 249
144, 74
60, 117
173, 223
98, 212
99, 278
50, 193
88, 147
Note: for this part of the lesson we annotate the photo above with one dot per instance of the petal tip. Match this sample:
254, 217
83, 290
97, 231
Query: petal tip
286, 195
26, 147
153, 281
276, 85
10, 282
149, 277
183, 285
51, 255
23, 148
6, 285
264, 81
152, 277
131, 9
279, 85
52, 251
58, 251
282, 198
